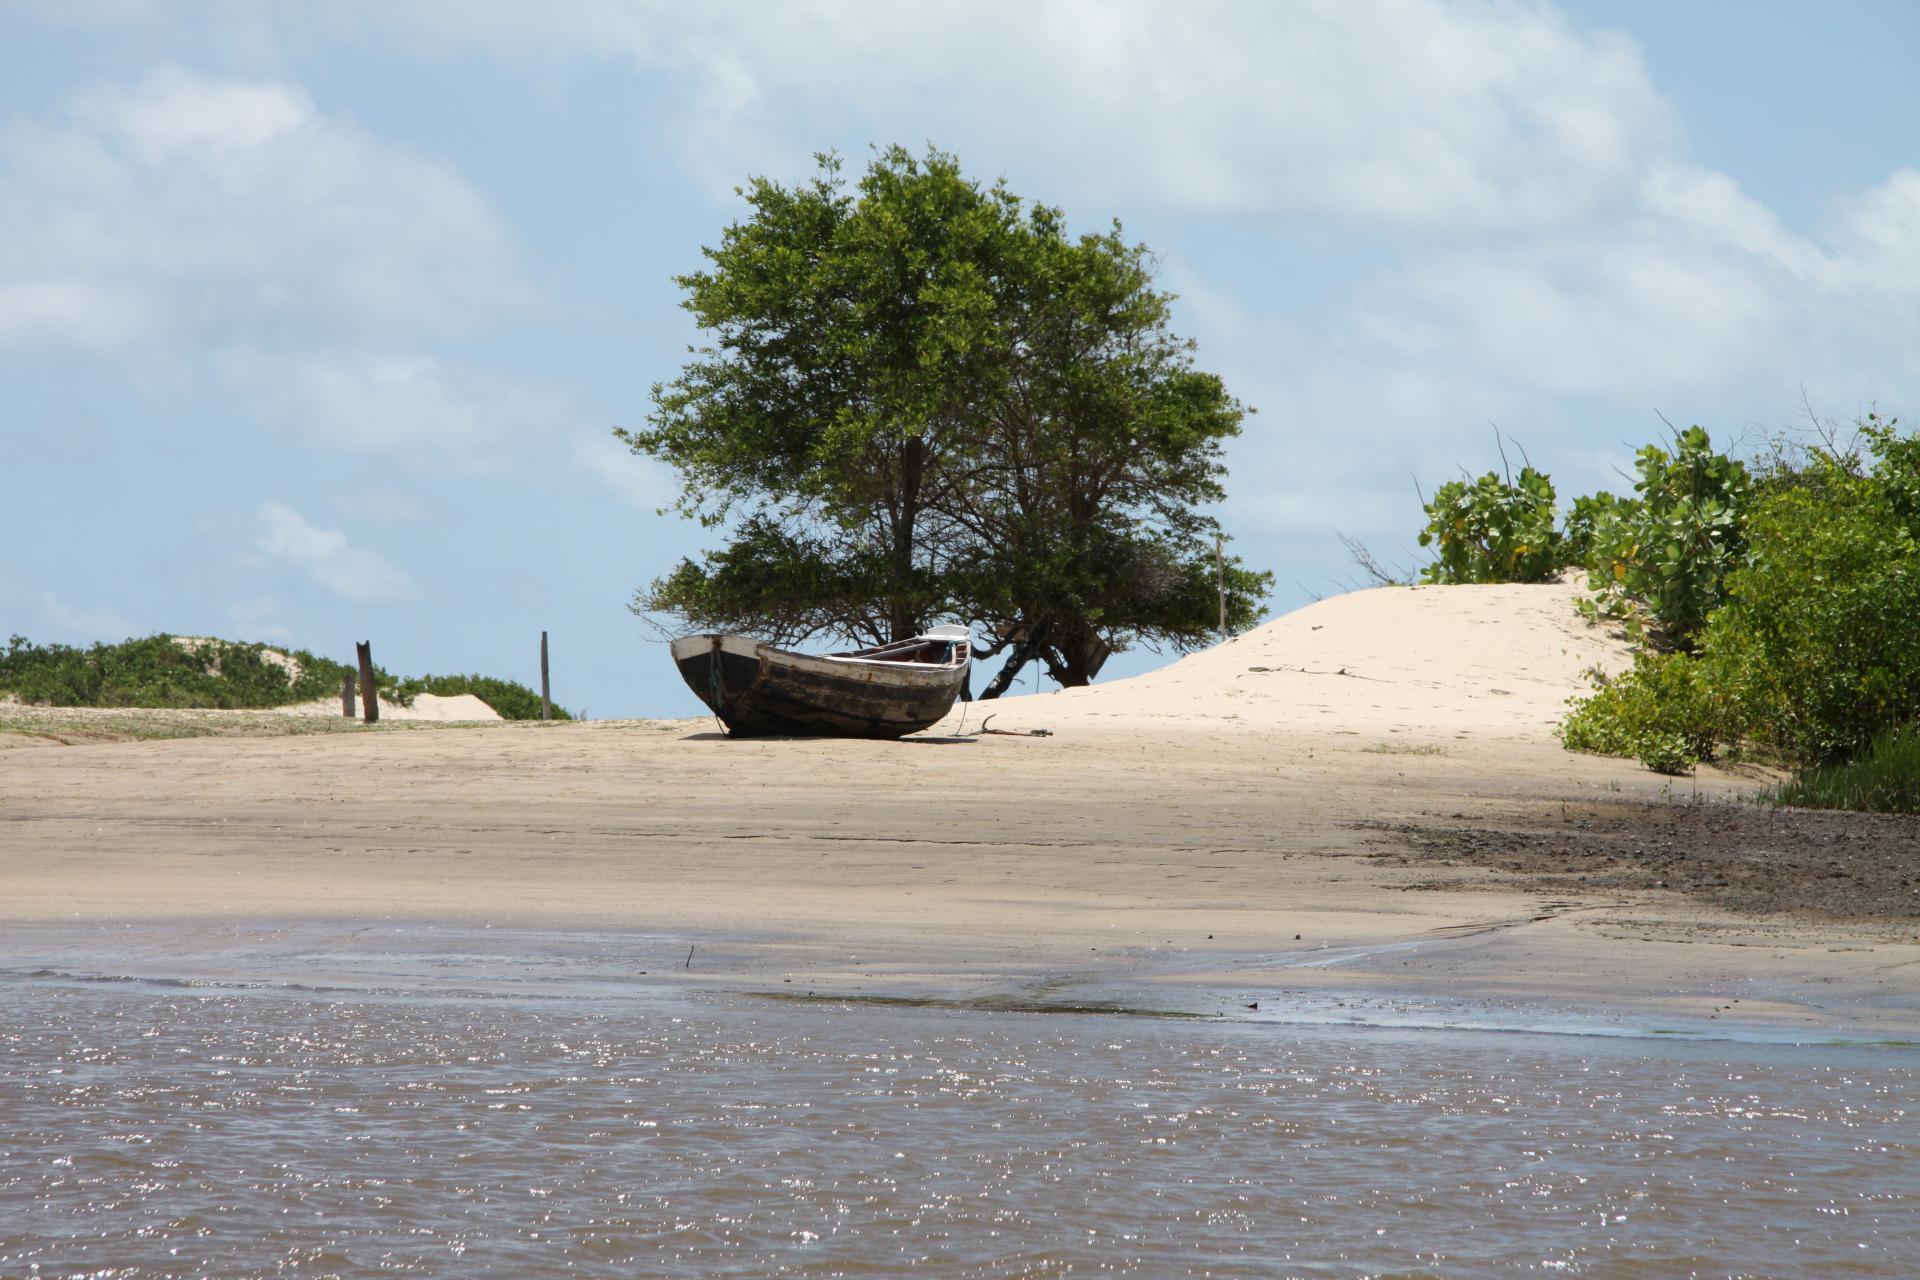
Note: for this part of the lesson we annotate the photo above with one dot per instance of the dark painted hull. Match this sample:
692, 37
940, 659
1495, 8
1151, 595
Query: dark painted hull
757, 690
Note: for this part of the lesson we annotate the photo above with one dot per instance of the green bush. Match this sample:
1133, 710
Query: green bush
1493, 530
1810, 646
1884, 779
1659, 561
512, 700
1663, 711
1819, 641
158, 671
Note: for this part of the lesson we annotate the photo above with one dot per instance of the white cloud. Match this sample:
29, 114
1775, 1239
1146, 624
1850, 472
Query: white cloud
421, 408
325, 556
174, 116
228, 232
1406, 113
96, 623
258, 618
179, 212
636, 480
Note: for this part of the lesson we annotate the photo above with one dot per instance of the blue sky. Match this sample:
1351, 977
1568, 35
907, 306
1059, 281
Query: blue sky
314, 320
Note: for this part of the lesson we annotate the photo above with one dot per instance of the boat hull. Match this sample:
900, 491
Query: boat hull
757, 690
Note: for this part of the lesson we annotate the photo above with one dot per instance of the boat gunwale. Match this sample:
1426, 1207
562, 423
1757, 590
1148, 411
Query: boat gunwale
747, 647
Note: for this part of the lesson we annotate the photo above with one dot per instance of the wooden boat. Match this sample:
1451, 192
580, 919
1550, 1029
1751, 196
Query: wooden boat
882, 692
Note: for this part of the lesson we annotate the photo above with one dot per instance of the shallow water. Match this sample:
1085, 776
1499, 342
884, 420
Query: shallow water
452, 1105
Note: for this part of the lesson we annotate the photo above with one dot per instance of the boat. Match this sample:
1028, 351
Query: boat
882, 692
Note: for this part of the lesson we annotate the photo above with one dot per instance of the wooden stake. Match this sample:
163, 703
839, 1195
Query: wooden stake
1220, 563
546, 697
346, 695
369, 691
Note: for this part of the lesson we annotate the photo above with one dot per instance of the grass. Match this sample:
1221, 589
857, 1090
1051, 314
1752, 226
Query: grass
1404, 749
70, 726
1883, 779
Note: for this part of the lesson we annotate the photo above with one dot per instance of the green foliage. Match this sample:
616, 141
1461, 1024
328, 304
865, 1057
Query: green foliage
1588, 516
1659, 561
514, 701
1493, 530
1664, 711
1819, 641
1808, 648
923, 398
1885, 778
162, 671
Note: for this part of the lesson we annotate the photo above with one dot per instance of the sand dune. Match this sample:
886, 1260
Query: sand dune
426, 706
1440, 662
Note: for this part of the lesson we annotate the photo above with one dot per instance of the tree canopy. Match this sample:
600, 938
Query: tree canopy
923, 399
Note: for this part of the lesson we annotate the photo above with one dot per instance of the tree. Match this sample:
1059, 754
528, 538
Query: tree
925, 399
853, 340
1081, 504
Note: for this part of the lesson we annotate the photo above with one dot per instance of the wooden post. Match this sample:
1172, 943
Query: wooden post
1220, 563
546, 697
346, 695
369, 691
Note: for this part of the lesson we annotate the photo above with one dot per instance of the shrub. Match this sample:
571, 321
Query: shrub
1664, 711
514, 701
1884, 779
161, 671
1493, 530
1819, 641
1659, 561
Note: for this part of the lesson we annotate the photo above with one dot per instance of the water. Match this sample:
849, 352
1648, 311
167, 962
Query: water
439, 1108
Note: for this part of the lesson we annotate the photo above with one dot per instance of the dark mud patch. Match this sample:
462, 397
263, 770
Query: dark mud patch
1742, 858
978, 1004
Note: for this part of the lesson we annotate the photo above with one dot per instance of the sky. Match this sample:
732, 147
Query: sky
315, 320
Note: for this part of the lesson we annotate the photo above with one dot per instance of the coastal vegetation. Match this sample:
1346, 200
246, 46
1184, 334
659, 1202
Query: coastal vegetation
1771, 602
925, 399
513, 700
180, 672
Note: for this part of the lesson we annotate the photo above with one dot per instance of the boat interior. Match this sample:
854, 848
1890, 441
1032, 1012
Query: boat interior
932, 651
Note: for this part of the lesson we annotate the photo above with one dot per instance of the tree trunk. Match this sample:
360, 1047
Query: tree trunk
903, 611
1080, 661
1024, 651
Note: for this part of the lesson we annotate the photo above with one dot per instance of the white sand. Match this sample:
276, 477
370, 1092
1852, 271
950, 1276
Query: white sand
1429, 662
426, 706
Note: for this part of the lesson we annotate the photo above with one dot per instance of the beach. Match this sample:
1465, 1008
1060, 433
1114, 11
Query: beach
1228, 823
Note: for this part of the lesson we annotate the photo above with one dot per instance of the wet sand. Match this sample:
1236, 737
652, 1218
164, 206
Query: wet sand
1110, 857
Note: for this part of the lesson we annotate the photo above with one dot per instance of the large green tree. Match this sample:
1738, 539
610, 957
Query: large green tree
1081, 506
922, 398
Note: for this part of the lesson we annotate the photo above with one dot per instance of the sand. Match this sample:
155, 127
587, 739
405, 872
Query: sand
426, 706
1205, 828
